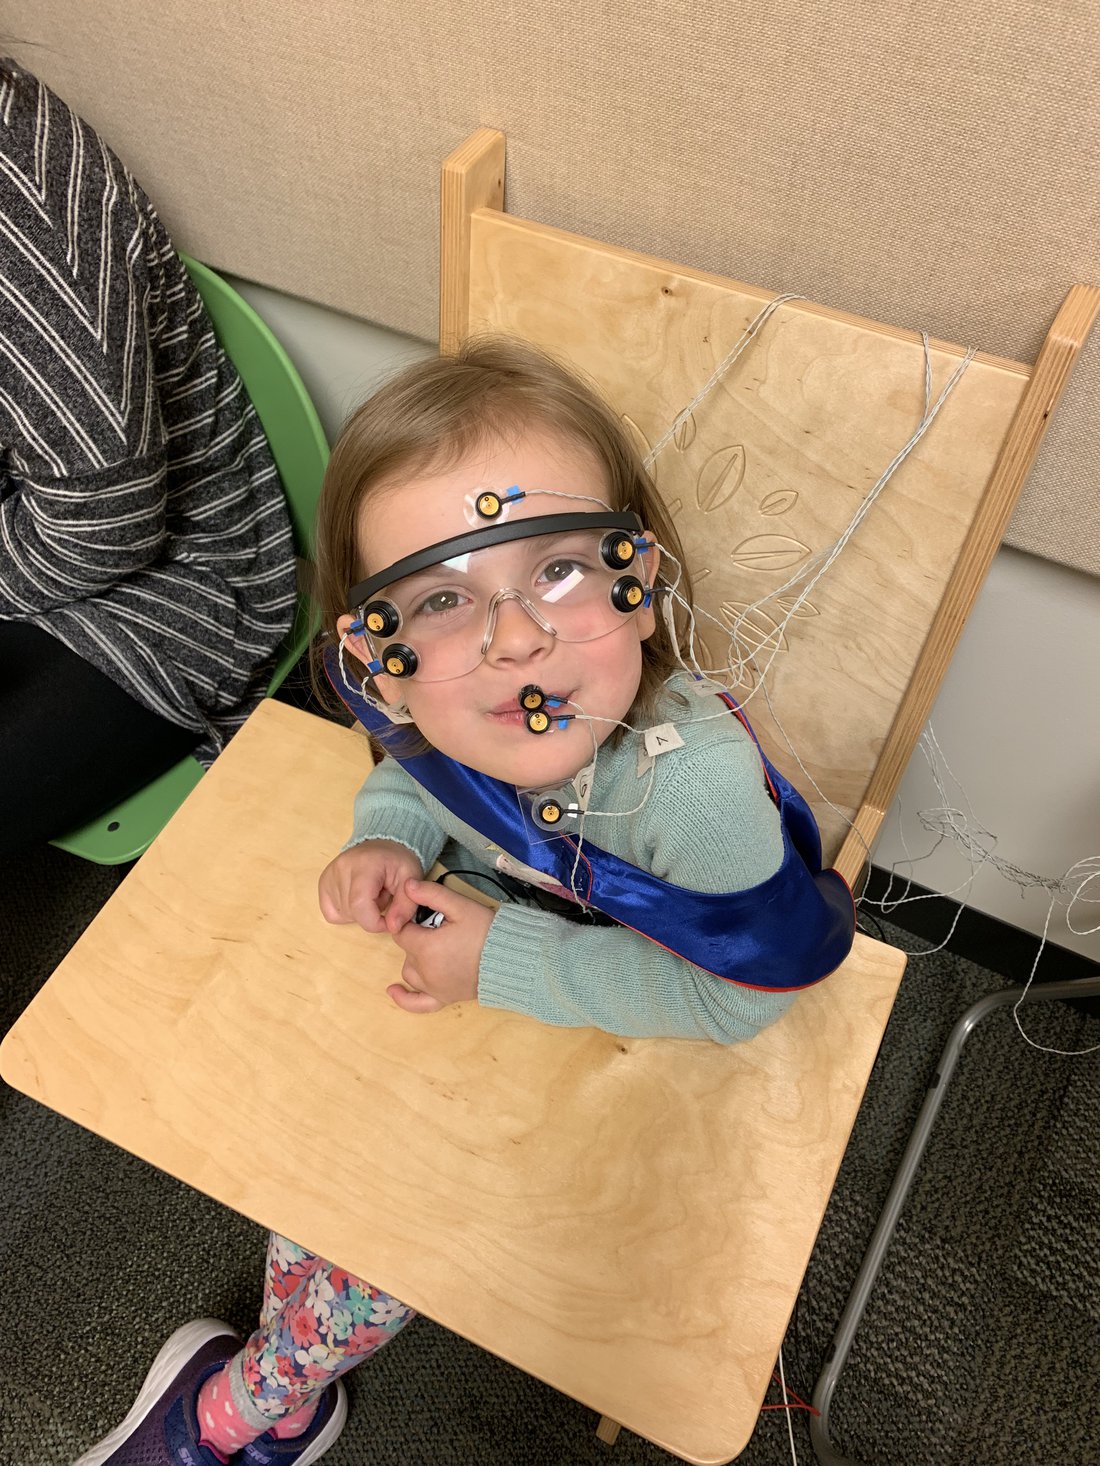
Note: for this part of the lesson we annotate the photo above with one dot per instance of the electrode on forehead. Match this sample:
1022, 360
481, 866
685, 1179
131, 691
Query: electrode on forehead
489, 504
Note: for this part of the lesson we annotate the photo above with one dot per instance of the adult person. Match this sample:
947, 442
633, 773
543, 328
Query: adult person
146, 560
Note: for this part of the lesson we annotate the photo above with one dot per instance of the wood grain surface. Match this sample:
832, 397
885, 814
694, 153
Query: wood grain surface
769, 470
626, 1219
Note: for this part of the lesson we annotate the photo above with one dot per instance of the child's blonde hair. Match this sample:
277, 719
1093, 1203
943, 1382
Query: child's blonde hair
437, 412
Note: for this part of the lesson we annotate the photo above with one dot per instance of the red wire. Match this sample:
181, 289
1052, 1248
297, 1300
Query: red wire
799, 1402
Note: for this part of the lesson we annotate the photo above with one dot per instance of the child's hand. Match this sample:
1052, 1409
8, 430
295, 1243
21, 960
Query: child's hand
440, 962
366, 884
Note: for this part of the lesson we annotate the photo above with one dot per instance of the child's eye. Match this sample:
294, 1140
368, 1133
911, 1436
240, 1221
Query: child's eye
440, 603
561, 569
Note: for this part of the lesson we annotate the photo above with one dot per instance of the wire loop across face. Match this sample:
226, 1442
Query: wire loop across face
433, 615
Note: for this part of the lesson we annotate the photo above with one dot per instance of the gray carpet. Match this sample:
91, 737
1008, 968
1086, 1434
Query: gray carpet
980, 1344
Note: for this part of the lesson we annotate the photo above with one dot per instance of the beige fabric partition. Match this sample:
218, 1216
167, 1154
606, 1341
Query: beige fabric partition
936, 169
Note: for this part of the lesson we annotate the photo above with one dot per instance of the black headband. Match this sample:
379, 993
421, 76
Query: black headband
480, 539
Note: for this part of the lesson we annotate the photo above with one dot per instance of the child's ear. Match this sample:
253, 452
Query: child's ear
646, 618
355, 643
389, 688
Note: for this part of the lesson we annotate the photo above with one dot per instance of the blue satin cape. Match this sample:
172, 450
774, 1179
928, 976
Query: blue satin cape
786, 933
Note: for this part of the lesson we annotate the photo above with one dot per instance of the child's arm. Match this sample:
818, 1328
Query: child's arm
614, 979
708, 825
394, 840
389, 807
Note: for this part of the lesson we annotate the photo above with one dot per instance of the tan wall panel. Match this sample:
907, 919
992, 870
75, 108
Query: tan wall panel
935, 170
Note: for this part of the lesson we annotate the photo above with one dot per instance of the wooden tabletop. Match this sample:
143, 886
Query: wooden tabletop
628, 1220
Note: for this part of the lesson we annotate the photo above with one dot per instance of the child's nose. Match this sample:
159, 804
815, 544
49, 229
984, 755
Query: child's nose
517, 637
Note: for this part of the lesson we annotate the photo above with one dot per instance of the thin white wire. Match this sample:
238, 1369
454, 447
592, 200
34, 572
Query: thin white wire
947, 822
1091, 863
788, 1412
815, 568
718, 373
821, 562
952, 824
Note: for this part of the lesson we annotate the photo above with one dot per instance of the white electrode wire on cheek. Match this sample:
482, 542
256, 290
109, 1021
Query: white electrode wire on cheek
351, 686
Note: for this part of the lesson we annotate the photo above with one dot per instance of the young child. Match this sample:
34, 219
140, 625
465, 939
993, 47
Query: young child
511, 613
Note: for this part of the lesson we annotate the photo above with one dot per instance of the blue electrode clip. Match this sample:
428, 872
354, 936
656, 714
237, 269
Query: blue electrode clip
553, 703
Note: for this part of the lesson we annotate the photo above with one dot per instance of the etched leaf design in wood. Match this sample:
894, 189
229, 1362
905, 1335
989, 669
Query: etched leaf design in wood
779, 501
769, 552
786, 604
684, 435
720, 477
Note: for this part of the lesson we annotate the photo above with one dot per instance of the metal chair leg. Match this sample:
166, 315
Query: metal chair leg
835, 1360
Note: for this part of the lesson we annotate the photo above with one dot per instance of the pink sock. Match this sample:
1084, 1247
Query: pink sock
221, 1425
297, 1424
223, 1428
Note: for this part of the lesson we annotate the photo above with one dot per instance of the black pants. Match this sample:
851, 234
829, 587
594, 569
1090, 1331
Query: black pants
72, 743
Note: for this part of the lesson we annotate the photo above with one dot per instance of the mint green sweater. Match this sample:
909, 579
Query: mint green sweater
708, 824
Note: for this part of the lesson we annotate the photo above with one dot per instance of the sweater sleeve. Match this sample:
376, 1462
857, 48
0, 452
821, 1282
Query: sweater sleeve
83, 452
699, 831
606, 977
389, 807
67, 539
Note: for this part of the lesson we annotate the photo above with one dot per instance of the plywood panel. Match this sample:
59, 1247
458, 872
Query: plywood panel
770, 470
597, 1210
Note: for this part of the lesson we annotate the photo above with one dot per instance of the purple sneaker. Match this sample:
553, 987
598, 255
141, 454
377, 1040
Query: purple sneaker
161, 1428
312, 1444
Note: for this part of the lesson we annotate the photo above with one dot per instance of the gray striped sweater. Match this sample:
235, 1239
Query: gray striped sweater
141, 518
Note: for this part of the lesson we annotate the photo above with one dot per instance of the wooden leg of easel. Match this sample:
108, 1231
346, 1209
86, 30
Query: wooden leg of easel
607, 1431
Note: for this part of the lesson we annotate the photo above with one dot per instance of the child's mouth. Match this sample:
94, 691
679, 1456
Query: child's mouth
506, 717
511, 715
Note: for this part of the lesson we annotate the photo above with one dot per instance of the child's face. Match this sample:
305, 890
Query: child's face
476, 718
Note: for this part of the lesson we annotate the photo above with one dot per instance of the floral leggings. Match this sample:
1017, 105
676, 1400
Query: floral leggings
317, 1321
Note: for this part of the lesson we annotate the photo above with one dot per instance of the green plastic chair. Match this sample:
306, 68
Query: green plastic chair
300, 450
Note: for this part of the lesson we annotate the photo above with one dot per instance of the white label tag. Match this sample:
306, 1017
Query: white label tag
661, 739
645, 761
